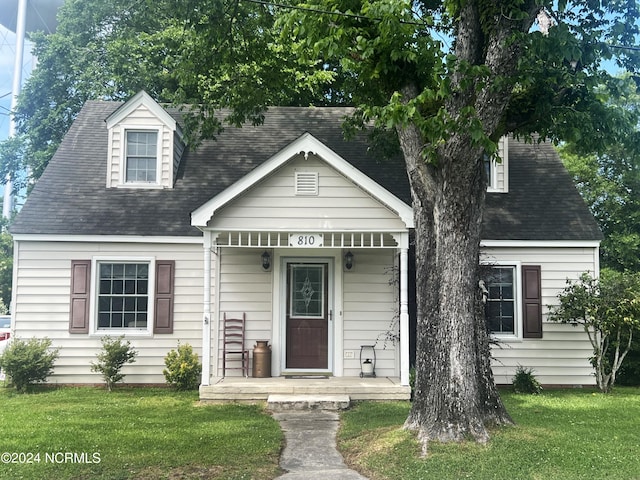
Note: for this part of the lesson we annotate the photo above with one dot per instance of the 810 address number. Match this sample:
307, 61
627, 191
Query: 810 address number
305, 240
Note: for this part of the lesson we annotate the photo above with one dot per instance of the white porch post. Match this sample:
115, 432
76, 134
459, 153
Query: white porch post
404, 309
206, 308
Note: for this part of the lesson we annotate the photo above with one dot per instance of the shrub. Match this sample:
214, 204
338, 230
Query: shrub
183, 369
608, 309
525, 381
115, 353
28, 361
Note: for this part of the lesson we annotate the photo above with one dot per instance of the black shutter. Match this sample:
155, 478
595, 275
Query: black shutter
163, 321
80, 292
532, 302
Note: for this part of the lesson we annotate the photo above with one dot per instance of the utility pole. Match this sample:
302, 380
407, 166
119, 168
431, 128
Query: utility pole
21, 25
30, 16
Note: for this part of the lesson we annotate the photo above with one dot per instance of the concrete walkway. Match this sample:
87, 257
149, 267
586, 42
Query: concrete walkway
310, 452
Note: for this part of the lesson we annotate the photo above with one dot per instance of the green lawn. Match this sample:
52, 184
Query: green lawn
133, 434
160, 434
568, 434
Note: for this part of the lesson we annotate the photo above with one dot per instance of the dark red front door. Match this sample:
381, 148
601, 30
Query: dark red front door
307, 316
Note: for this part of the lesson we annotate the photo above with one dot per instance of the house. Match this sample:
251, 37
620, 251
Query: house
308, 235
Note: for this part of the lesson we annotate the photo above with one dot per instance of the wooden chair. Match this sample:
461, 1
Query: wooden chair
233, 349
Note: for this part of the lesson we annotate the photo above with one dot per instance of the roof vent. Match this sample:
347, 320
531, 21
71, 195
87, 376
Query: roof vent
306, 183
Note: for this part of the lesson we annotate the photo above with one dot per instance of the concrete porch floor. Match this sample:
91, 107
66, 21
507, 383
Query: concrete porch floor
242, 389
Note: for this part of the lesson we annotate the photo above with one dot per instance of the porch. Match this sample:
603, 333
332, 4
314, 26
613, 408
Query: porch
315, 254
241, 389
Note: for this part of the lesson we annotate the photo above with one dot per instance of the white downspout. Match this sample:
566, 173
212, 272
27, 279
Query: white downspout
404, 309
206, 318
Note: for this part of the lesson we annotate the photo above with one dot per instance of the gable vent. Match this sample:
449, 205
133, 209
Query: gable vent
306, 183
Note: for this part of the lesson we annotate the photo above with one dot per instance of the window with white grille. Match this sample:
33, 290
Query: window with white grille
306, 183
141, 156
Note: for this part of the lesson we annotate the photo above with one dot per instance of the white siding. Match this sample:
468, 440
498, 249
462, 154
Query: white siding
339, 206
142, 118
368, 302
41, 296
561, 356
244, 288
370, 307
502, 168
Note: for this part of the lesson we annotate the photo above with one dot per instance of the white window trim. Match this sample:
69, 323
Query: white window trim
503, 153
93, 304
123, 156
517, 292
493, 177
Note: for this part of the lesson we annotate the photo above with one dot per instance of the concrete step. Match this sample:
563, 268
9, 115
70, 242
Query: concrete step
284, 402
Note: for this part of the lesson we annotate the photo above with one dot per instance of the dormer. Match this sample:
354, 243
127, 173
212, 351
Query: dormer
497, 170
145, 145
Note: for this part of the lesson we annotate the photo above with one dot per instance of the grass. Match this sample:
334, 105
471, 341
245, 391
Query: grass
160, 434
567, 434
134, 434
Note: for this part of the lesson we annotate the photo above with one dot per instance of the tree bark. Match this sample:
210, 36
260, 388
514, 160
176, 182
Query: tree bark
455, 395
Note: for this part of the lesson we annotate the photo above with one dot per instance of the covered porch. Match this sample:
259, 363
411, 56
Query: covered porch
241, 389
360, 305
314, 254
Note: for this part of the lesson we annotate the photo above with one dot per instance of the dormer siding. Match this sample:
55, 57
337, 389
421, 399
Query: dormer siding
499, 181
143, 114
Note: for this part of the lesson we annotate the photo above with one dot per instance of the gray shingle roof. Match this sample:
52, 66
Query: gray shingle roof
71, 197
543, 202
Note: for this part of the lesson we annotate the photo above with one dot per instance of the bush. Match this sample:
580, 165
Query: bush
115, 353
525, 381
183, 369
28, 361
608, 308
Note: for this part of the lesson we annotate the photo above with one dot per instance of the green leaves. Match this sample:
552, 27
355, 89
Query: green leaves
610, 182
609, 311
115, 353
28, 361
183, 368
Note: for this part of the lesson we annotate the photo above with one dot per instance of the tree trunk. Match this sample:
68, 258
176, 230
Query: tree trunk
455, 394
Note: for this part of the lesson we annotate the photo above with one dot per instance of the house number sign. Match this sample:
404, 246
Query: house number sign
306, 240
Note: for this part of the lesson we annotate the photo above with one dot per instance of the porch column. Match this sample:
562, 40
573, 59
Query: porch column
404, 309
206, 309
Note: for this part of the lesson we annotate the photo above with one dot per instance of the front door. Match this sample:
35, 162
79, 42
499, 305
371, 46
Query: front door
307, 316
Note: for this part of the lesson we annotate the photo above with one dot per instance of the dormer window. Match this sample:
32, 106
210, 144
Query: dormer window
496, 170
141, 156
145, 145
489, 170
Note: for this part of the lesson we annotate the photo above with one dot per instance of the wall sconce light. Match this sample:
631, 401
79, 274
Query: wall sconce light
348, 260
266, 261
